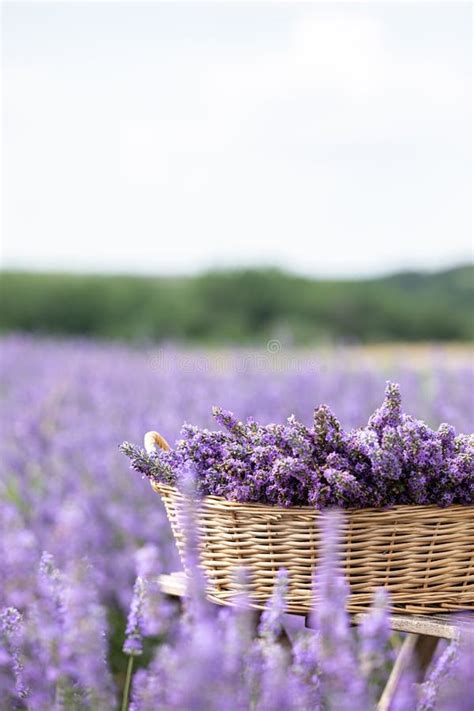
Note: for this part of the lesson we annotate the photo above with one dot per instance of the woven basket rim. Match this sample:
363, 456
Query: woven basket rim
221, 502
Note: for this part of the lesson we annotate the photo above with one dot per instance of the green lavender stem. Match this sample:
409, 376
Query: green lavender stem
128, 679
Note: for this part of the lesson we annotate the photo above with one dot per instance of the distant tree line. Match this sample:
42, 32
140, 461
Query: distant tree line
244, 306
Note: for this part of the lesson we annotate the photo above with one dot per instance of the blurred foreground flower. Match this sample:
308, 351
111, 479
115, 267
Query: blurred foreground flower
215, 661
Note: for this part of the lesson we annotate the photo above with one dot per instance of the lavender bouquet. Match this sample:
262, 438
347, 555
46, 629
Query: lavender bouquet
394, 459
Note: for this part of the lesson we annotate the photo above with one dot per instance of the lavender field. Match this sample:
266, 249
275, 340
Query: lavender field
77, 527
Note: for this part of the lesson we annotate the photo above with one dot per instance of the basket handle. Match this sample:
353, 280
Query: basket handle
152, 439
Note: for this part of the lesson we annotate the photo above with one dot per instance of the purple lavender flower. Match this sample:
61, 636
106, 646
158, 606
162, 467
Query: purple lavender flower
339, 676
454, 678
10, 650
439, 674
375, 654
405, 697
227, 419
133, 645
328, 434
390, 412
84, 637
304, 682
270, 625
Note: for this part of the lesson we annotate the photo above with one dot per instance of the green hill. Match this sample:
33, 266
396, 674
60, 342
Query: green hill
245, 306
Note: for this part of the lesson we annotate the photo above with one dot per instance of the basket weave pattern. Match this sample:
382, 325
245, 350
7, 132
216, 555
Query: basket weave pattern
423, 555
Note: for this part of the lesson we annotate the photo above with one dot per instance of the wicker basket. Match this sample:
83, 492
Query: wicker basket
423, 555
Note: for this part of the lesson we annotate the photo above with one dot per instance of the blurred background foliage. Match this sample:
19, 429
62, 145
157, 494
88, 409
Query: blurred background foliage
243, 306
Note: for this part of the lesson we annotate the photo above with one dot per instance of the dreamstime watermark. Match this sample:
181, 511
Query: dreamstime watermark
272, 359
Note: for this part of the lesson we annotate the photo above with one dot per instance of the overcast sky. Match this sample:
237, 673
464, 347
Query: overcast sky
331, 139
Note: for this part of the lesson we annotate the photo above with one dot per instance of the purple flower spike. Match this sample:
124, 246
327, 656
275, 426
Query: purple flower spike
133, 645
227, 419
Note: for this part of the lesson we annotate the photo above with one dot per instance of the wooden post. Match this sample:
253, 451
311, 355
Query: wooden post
416, 652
